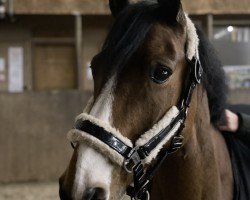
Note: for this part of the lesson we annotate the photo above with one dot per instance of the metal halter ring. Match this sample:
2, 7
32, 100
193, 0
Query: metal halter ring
131, 162
143, 192
177, 143
198, 71
147, 197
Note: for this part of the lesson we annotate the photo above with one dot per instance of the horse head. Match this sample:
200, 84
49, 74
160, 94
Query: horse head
139, 79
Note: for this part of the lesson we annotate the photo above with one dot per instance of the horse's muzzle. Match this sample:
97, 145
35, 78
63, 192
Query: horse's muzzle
97, 193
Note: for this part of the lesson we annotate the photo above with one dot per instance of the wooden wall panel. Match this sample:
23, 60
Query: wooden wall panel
94, 33
61, 6
33, 128
101, 6
54, 67
217, 6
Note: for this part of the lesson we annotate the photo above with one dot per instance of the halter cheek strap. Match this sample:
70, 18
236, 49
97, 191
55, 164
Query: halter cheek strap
142, 178
119, 149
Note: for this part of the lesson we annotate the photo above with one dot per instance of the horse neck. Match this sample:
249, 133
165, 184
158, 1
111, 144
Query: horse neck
201, 169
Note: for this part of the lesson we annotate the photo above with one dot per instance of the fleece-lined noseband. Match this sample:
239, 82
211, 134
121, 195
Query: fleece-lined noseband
149, 146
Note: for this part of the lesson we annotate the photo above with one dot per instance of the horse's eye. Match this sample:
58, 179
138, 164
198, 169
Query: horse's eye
160, 73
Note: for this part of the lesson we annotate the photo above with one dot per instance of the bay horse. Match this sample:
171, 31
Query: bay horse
148, 105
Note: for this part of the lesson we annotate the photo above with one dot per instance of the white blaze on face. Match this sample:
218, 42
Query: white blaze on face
92, 168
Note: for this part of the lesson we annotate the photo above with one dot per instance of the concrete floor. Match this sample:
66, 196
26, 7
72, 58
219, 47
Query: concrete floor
32, 191
29, 191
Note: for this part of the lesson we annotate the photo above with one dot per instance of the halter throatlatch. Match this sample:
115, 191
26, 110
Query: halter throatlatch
150, 145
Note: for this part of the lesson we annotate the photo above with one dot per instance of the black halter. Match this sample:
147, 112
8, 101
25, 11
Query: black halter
135, 156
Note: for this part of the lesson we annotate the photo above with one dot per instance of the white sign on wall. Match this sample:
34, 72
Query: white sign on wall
15, 75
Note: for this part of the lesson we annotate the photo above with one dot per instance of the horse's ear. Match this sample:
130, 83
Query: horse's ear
116, 6
172, 9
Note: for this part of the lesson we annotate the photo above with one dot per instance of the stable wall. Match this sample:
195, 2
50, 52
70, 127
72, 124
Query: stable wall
49, 49
101, 6
33, 129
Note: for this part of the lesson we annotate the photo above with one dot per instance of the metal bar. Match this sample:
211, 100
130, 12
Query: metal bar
210, 26
78, 45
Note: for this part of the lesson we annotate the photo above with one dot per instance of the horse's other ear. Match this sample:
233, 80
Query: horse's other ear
172, 10
116, 6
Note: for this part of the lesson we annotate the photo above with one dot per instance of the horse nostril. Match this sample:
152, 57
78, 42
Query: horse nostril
95, 194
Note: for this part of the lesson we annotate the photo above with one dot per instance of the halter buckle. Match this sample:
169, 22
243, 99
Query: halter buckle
177, 143
198, 71
133, 160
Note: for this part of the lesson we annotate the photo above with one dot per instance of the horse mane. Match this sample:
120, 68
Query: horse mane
127, 35
214, 80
